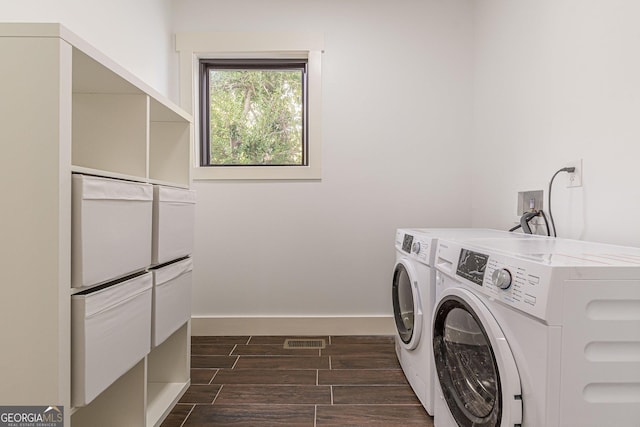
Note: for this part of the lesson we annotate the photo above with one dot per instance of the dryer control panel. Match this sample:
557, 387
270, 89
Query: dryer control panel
415, 245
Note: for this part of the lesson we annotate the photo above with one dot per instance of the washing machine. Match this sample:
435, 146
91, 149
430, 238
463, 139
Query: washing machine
534, 333
413, 299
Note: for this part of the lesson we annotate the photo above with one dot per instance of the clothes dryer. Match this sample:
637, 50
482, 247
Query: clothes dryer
531, 333
413, 299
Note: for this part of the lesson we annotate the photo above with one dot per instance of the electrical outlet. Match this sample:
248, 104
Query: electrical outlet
575, 178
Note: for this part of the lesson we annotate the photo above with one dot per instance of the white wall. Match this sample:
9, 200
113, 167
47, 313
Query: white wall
396, 119
136, 34
410, 89
555, 81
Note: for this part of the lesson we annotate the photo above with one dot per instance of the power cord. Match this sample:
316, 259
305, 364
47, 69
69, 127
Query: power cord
553, 225
546, 222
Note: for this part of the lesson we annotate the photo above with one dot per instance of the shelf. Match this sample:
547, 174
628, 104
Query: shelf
161, 397
168, 374
71, 109
122, 126
169, 145
122, 404
125, 177
107, 174
110, 132
167, 183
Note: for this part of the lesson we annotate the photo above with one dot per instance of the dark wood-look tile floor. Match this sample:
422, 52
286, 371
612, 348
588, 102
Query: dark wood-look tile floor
255, 381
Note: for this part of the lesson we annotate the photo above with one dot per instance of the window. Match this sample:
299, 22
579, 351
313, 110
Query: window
253, 112
260, 143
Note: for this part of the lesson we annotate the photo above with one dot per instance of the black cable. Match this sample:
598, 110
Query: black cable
515, 228
546, 222
553, 225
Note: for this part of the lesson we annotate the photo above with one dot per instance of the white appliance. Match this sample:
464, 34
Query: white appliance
413, 290
537, 332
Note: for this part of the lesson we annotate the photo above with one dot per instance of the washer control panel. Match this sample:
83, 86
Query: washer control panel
514, 281
501, 278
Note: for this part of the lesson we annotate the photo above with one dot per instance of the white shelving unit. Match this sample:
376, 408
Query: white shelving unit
65, 108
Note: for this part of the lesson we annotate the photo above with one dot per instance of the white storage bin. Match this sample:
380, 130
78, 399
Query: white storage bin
171, 299
173, 223
111, 229
110, 333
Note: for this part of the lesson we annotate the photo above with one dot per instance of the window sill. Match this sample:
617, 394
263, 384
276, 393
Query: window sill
302, 173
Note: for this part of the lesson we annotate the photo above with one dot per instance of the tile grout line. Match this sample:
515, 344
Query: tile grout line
331, 388
248, 340
315, 415
213, 377
217, 394
232, 350
185, 418
330, 368
317, 376
236, 362
404, 405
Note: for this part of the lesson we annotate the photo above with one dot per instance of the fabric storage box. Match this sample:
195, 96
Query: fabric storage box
171, 299
111, 229
110, 333
173, 223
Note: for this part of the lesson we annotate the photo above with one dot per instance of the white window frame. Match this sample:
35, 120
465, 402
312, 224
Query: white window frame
240, 45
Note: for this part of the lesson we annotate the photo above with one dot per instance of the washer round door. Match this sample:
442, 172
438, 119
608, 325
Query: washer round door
407, 309
476, 369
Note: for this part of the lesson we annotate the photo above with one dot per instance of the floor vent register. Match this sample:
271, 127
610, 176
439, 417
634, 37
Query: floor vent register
304, 344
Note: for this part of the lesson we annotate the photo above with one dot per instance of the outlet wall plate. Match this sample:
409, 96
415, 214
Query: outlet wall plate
575, 178
527, 198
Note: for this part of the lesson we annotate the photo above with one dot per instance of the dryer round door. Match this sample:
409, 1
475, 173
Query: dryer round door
407, 309
476, 369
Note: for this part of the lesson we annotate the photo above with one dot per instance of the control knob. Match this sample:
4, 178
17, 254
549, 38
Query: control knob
501, 278
416, 247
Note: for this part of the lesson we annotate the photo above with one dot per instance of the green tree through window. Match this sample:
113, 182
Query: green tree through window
254, 113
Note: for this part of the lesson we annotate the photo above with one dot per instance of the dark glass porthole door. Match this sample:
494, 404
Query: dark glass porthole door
466, 365
403, 304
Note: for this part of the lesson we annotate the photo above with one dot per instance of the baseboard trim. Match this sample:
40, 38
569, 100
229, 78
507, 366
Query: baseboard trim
348, 325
